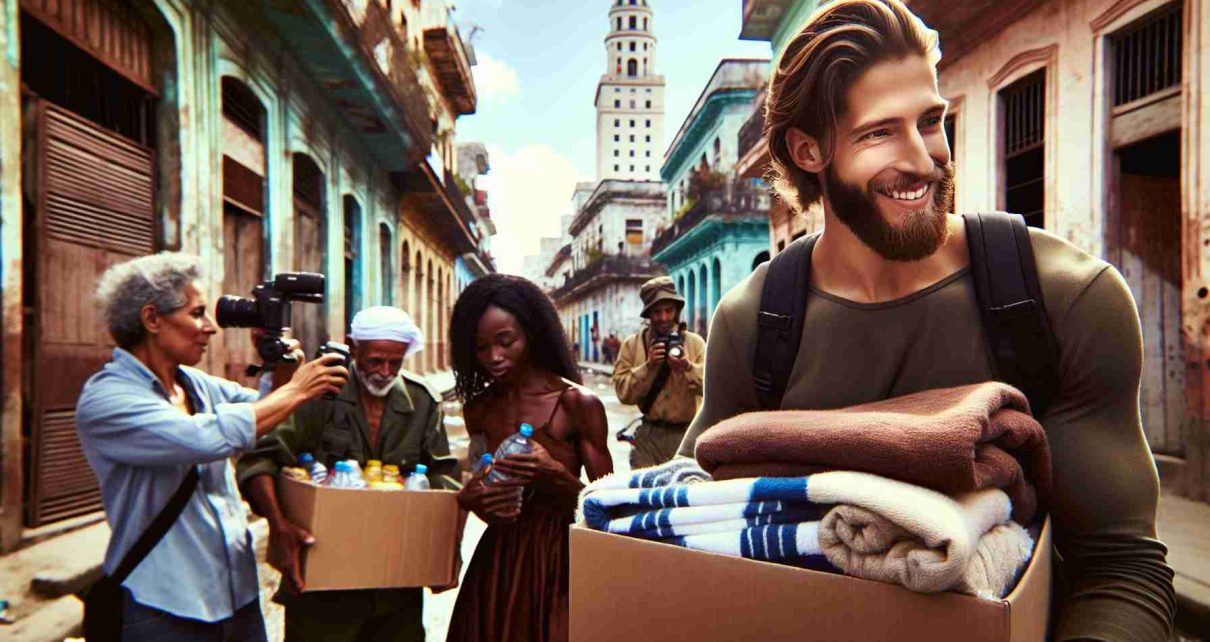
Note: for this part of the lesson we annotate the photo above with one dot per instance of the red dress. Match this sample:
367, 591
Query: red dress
516, 587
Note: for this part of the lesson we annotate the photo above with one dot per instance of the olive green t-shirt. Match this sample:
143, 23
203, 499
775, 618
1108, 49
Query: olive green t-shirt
1117, 583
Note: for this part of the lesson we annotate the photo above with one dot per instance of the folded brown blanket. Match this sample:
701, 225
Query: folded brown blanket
953, 440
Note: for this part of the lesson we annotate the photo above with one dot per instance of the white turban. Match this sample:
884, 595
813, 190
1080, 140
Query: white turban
386, 323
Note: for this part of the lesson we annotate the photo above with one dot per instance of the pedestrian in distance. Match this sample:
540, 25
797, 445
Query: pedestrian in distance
898, 296
512, 366
155, 429
659, 369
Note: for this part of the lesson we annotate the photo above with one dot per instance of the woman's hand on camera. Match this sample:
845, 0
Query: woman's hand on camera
314, 378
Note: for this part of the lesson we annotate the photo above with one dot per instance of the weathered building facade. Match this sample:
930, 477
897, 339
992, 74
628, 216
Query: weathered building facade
719, 221
609, 257
263, 137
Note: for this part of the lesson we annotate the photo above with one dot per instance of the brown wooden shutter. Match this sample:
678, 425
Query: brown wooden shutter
94, 208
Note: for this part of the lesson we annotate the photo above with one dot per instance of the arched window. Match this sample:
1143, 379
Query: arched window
386, 265
703, 300
718, 149
644, 24
632, 67
430, 316
352, 258
633, 23
691, 300
619, 23
760, 258
310, 246
244, 239
632, 46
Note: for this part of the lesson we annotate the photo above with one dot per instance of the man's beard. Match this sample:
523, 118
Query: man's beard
375, 385
922, 232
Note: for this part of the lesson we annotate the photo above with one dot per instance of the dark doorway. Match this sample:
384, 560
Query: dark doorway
1149, 256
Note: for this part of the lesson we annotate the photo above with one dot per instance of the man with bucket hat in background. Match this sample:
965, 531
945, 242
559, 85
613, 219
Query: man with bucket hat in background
659, 369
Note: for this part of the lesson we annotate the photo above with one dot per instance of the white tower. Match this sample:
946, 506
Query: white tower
630, 97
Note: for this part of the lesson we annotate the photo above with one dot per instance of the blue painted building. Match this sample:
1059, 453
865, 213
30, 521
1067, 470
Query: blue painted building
719, 228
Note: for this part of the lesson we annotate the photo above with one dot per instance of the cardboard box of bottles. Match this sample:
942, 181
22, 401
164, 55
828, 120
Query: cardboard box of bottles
638, 590
374, 538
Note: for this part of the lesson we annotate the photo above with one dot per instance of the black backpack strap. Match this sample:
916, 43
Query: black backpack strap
158, 528
1024, 351
783, 307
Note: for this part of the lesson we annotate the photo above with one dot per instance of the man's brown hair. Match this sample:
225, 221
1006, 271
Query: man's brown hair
838, 43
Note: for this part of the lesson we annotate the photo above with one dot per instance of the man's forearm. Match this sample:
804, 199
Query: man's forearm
261, 493
276, 407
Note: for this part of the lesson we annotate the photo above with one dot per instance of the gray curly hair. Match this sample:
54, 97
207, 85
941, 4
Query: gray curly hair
158, 279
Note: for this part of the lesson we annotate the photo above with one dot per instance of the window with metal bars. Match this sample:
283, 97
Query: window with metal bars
352, 242
1023, 132
1147, 55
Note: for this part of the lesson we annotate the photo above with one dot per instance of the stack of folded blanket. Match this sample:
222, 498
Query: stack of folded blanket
929, 491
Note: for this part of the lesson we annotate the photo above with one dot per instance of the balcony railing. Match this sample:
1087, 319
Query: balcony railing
752, 131
739, 202
609, 266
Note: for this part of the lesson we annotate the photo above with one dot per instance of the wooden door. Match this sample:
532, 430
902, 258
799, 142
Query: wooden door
243, 267
1150, 210
93, 207
309, 321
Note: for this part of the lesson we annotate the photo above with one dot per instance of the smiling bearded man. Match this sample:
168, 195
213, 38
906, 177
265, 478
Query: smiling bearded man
854, 123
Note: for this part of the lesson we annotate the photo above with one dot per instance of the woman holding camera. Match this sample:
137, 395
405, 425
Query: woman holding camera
152, 428
511, 365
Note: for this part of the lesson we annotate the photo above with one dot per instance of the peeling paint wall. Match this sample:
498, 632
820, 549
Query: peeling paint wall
1068, 37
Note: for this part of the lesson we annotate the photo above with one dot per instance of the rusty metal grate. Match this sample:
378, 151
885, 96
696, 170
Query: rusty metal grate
1024, 108
1147, 55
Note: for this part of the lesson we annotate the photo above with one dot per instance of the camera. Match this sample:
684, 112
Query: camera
334, 347
269, 310
673, 344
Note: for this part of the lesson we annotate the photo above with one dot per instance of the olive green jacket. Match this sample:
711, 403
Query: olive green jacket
412, 432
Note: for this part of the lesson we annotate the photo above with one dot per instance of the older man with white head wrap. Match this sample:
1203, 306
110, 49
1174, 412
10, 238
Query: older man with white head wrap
383, 329
383, 413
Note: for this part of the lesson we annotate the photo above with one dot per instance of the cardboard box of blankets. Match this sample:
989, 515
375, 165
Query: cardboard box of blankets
374, 538
912, 532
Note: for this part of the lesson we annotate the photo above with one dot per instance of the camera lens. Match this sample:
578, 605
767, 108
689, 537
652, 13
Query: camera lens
236, 312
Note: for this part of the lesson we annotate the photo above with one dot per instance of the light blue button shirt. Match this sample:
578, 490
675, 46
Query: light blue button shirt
141, 446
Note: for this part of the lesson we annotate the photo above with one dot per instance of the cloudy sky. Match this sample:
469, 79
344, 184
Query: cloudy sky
539, 63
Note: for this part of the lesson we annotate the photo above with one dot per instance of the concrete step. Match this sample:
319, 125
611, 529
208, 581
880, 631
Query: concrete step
62, 618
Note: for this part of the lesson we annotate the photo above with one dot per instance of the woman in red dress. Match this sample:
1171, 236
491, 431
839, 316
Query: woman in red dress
512, 366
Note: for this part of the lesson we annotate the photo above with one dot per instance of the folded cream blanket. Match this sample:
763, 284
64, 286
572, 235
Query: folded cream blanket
904, 534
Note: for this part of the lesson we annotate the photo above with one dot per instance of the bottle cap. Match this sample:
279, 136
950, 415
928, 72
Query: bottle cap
306, 459
421, 469
390, 468
526, 430
343, 467
486, 458
372, 463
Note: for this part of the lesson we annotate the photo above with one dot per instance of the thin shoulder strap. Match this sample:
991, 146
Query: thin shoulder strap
783, 306
1022, 343
555, 410
158, 528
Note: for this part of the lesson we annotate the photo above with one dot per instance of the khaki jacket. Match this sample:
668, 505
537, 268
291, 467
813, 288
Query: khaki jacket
679, 400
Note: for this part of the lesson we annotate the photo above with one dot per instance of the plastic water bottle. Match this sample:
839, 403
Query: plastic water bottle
342, 477
347, 476
358, 473
518, 443
418, 480
484, 463
318, 472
